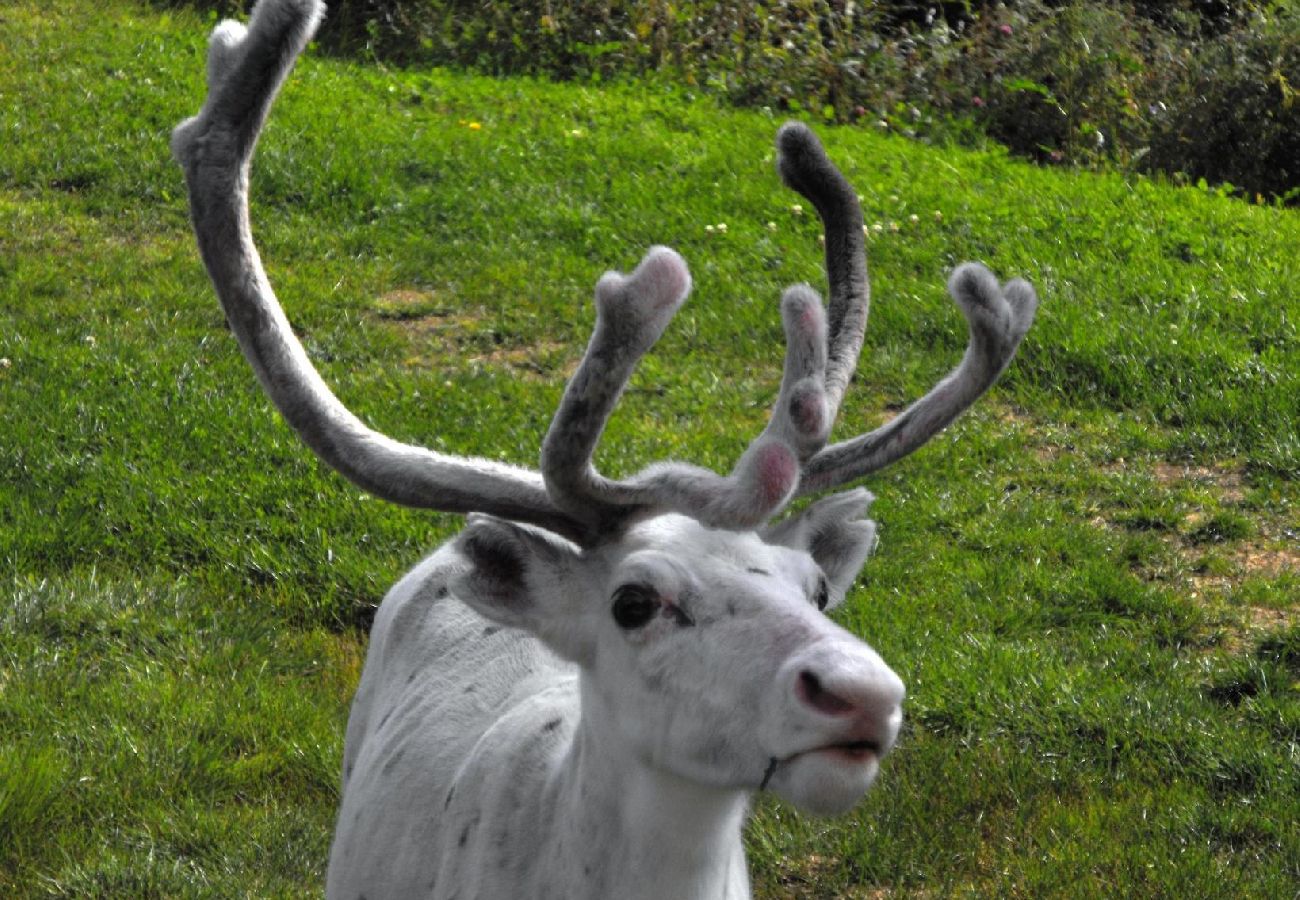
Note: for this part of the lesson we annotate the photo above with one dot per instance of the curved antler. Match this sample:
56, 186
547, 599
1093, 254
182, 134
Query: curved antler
246, 67
805, 167
998, 317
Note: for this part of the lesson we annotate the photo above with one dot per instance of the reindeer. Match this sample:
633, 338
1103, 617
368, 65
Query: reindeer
578, 696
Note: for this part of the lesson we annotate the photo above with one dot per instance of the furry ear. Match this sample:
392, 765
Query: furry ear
836, 533
525, 577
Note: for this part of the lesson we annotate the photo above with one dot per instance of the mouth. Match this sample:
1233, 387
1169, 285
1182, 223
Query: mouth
853, 751
849, 752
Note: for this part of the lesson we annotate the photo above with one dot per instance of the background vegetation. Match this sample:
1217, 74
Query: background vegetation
1089, 583
1175, 86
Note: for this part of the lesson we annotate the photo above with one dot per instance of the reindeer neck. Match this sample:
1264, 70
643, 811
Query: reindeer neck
640, 831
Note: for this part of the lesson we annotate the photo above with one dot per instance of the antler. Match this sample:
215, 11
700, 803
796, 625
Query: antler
998, 317
820, 359
246, 68
631, 314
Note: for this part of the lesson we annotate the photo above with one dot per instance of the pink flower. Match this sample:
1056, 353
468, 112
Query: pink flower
1005, 29
977, 101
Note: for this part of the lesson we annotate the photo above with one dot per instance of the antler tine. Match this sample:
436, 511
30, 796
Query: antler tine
246, 67
998, 317
632, 312
805, 168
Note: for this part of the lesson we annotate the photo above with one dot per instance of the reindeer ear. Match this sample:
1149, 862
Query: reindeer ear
836, 533
525, 577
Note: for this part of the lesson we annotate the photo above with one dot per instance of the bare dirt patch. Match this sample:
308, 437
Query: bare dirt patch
444, 337
1269, 561
1227, 482
1240, 613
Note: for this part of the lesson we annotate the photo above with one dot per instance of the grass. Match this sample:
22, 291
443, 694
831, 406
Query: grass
1090, 583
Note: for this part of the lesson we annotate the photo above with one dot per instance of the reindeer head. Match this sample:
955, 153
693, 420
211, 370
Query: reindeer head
698, 623
707, 653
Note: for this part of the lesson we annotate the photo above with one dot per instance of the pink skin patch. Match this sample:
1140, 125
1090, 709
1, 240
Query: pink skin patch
804, 315
810, 318
777, 470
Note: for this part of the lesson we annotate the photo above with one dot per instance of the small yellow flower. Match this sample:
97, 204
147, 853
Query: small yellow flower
474, 126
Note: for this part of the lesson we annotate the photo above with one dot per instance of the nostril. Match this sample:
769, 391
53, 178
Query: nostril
813, 693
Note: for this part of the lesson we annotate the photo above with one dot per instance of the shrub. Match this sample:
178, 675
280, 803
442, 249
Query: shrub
1179, 86
1236, 117
1053, 83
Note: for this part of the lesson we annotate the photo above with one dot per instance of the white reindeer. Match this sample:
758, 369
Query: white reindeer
578, 696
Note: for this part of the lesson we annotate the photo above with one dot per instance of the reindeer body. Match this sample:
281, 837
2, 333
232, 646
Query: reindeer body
435, 729
577, 696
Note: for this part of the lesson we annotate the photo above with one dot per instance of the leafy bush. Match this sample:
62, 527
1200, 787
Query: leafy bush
1058, 84
1236, 117
1178, 86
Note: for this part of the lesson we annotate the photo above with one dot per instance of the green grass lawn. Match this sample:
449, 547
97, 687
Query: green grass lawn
1090, 584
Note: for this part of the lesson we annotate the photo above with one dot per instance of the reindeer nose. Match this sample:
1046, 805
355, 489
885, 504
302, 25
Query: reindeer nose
855, 691
812, 693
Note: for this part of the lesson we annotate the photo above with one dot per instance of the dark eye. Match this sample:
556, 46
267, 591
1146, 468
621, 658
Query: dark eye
822, 595
634, 605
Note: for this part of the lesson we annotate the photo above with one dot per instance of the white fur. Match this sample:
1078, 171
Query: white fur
479, 763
